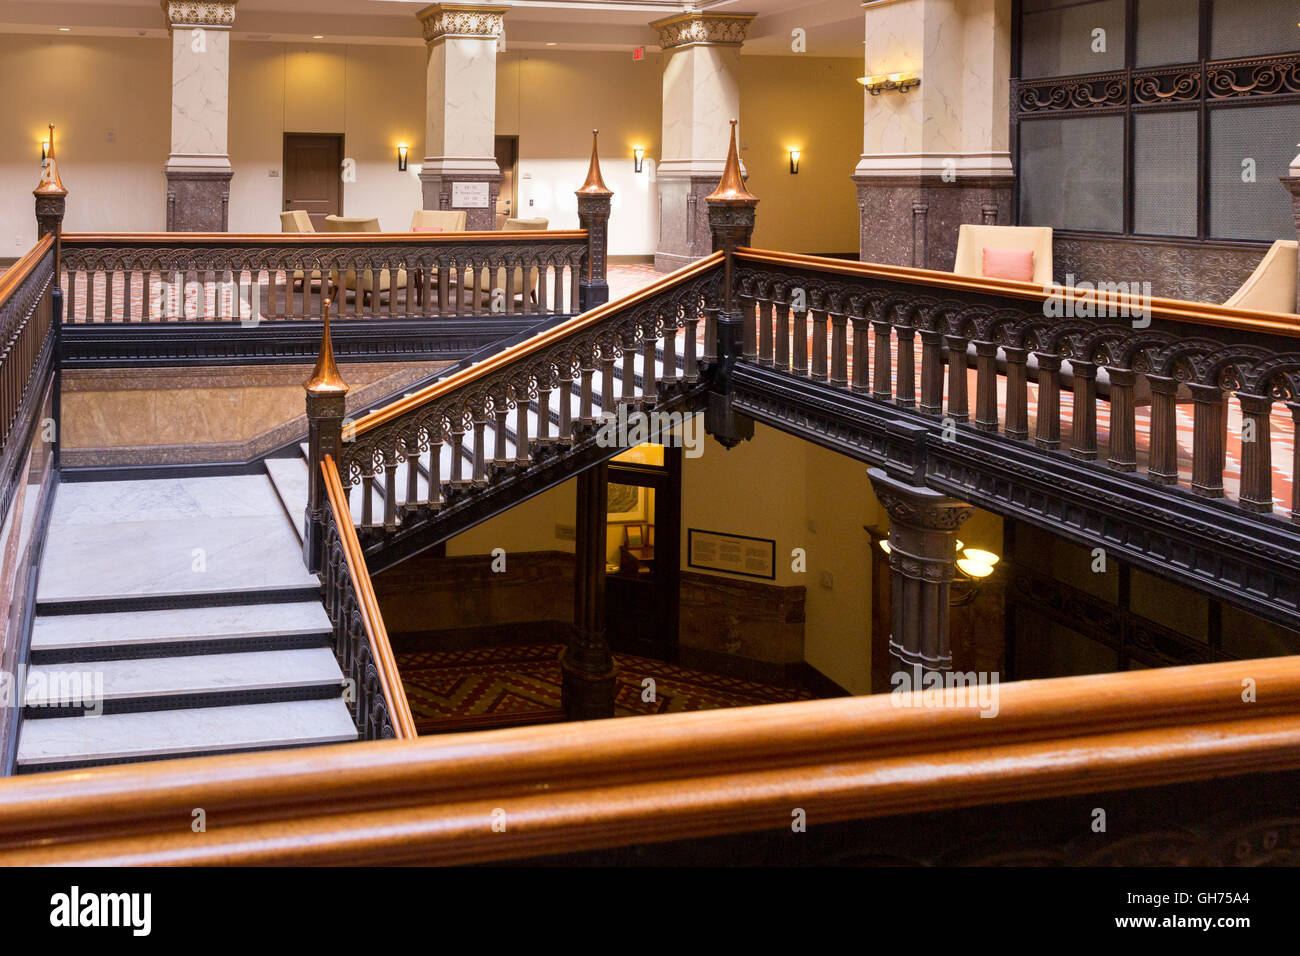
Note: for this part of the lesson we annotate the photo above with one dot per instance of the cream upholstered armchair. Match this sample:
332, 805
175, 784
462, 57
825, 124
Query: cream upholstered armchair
1272, 286
366, 287
523, 225
297, 221
438, 220
973, 240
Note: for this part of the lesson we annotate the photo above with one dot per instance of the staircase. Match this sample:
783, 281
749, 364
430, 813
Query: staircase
175, 618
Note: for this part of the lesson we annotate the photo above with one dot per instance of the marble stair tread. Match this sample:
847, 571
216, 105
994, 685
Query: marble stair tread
289, 476
185, 731
254, 621
201, 674
169, 538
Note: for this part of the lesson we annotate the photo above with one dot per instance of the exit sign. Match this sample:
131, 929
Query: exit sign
638, 53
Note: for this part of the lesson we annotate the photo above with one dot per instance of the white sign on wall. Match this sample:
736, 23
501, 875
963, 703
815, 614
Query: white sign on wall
469, 195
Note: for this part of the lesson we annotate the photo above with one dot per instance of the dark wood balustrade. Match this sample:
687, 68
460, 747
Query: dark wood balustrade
377, 699
247, 278
988, 356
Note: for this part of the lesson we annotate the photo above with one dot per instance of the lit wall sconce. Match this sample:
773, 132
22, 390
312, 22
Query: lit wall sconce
880, 82
794, 159
45, 149
973, 566
638, 158
401, 158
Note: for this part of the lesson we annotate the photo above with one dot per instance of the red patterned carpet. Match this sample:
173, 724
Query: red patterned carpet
518, 684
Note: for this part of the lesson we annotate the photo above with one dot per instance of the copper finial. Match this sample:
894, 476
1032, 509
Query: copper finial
595, 184
50, 181
325, 378
731, 188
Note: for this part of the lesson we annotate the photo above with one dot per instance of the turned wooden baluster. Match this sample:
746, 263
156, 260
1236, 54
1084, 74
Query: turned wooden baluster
1295, 461
1209, 440
390, 490
839, 349
1083, 440
958, 402
905, 390
608, 399
766, 317
748, 308
575, 279
411, 451
1017, 423
781, 310
861, 356
522, 405
435, 465
931, 372
500, 411
457, 476
1256, 453
690, 344
670, 374
1163, 469
586, 398
542, 307
799, 330
629, 366
649, 345
1047, 430
1123, 429
986, 386
480, 445
883, 373
544, 389
819, 323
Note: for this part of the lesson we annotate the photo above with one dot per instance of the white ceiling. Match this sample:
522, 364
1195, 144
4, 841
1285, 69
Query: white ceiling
833, 27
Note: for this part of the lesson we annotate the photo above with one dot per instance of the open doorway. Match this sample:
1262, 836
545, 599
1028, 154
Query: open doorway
507, 153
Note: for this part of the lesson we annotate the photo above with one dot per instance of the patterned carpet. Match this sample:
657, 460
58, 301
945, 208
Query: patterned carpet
517, 684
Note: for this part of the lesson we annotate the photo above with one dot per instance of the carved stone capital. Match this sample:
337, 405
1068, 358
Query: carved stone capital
918, 507
712, 29
200, 13
443, 20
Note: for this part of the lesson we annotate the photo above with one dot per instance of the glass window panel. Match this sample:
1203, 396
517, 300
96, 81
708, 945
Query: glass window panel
1167, 32
1071, 173
1240, 28
1164, 174
1063, 41
1250, 147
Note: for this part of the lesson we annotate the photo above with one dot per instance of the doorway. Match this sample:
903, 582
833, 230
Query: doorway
313, 180
507, 154
642, 584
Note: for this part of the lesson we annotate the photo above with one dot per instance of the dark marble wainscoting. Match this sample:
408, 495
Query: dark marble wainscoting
683, 220
198, 200
913, 220
1197, 272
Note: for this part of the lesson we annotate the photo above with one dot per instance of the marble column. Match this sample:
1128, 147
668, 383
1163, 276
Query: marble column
460, 168
1292, 183
937, 155
198, 170
701, 93
923, 527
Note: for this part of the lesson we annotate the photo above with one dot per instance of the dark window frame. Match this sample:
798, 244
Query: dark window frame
1163, 88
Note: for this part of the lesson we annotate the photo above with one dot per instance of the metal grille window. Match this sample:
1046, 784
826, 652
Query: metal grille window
1181, 95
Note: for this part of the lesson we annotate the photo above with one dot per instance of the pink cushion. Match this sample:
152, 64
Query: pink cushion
1016, 264
426, 229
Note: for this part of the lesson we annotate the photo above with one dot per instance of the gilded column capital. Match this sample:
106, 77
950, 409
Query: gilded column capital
200, 13
443, 20
709, 29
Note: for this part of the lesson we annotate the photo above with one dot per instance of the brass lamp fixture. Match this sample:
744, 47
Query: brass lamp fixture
638, 158
795, 152
402, 150
880, 82
973, 567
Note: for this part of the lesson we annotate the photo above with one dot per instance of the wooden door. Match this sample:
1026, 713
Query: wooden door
507, 155
313, 175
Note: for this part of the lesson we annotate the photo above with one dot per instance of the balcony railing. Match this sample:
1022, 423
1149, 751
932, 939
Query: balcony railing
224, 277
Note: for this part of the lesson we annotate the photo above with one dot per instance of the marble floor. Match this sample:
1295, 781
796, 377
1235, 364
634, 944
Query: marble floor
168, 538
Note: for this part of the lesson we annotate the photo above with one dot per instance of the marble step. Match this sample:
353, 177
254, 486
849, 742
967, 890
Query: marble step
67, 742
136, 634
162, 683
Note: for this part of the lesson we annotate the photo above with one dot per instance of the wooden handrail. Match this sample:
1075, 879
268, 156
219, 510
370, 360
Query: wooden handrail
309, 238
574, 787
1176, 310
376, 632
14, 276
528, 346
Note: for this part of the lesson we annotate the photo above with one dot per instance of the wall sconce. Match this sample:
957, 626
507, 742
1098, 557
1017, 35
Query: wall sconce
401, 158
638, 158
880, 82
794, 159
45, 149
973, 566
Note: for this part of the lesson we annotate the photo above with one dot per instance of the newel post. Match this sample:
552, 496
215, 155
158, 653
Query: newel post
326, 395
51, 203
593, 215
731, 225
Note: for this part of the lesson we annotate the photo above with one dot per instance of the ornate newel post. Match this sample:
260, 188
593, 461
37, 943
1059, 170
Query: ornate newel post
922, 556
51, 197
731, 224
587, 665
1292, 183
326, 394
593, 215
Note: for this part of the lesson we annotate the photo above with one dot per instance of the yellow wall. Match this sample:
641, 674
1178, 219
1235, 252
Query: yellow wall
815, 104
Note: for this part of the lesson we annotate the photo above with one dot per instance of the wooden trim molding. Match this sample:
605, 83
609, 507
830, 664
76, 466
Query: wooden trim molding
188, 239
14, 276
633, 780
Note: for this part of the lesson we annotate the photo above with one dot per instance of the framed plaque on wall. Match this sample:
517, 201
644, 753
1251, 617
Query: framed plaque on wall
732, 553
